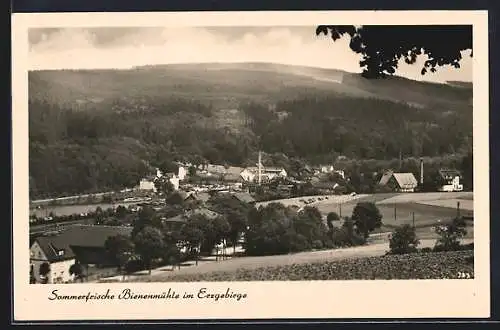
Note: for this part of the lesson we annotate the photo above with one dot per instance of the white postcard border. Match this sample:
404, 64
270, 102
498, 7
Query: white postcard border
315, 299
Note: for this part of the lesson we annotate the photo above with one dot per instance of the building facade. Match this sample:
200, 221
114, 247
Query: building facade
450, 180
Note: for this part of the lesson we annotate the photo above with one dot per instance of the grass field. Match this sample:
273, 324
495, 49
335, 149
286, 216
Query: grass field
426, 209
397, 209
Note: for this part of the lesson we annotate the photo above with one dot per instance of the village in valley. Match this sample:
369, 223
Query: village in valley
69, 239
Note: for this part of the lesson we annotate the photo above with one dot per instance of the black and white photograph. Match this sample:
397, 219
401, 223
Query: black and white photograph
251, 152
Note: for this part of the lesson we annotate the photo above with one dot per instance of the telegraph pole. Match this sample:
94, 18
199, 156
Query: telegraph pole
260, 168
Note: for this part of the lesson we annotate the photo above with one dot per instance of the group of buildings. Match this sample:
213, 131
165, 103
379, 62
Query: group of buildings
220, 177
85, 244
449, 180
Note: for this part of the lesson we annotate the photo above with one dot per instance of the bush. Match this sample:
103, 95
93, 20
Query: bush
426, 250
404, 240
366, 217
134, 265
297, 242
450, 235
317, 244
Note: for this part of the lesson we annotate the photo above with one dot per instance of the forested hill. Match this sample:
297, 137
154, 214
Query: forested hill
93, 130
228, 84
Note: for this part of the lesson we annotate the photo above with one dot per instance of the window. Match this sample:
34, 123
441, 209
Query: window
60, 252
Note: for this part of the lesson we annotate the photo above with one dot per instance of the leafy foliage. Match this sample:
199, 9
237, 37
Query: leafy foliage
404, 240
366, 217
76, 270
382, 46
450, 235
235, 211
149, 244
146, 217
164, 186
330, 218
276, 229
120, 248
44, 271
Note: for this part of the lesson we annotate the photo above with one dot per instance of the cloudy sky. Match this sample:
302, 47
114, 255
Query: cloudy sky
77, 48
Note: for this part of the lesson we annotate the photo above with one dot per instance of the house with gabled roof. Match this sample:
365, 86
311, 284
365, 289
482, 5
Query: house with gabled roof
400, 182
82, 243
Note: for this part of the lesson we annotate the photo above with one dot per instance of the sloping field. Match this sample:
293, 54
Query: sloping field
465, 204
443, 265
401, 213
425, 197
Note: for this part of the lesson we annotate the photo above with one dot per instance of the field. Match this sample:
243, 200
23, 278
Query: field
442, 265
426, 209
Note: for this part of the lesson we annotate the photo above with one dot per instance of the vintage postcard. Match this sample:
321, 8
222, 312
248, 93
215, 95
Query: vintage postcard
250, 165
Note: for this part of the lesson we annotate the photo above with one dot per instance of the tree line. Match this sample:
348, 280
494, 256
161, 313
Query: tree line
76, 151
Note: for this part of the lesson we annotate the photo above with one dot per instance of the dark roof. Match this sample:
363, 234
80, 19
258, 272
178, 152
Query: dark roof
92, 255
385, 178
449, 173
244, 197
78, 235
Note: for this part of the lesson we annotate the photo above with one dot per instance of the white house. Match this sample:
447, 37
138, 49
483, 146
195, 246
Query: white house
147, 184
58, 259
250, 174
451, 180
175, 181
60, 251
182, 172
331, 169
326, 168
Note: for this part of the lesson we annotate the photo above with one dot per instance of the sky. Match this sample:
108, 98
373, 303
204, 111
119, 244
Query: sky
123, 47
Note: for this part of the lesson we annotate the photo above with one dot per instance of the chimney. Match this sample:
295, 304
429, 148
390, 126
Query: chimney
260, 168
421, 171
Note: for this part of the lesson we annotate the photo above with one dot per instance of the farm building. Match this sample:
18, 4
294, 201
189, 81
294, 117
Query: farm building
400, 182
250, 174
81, 243
450, 180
